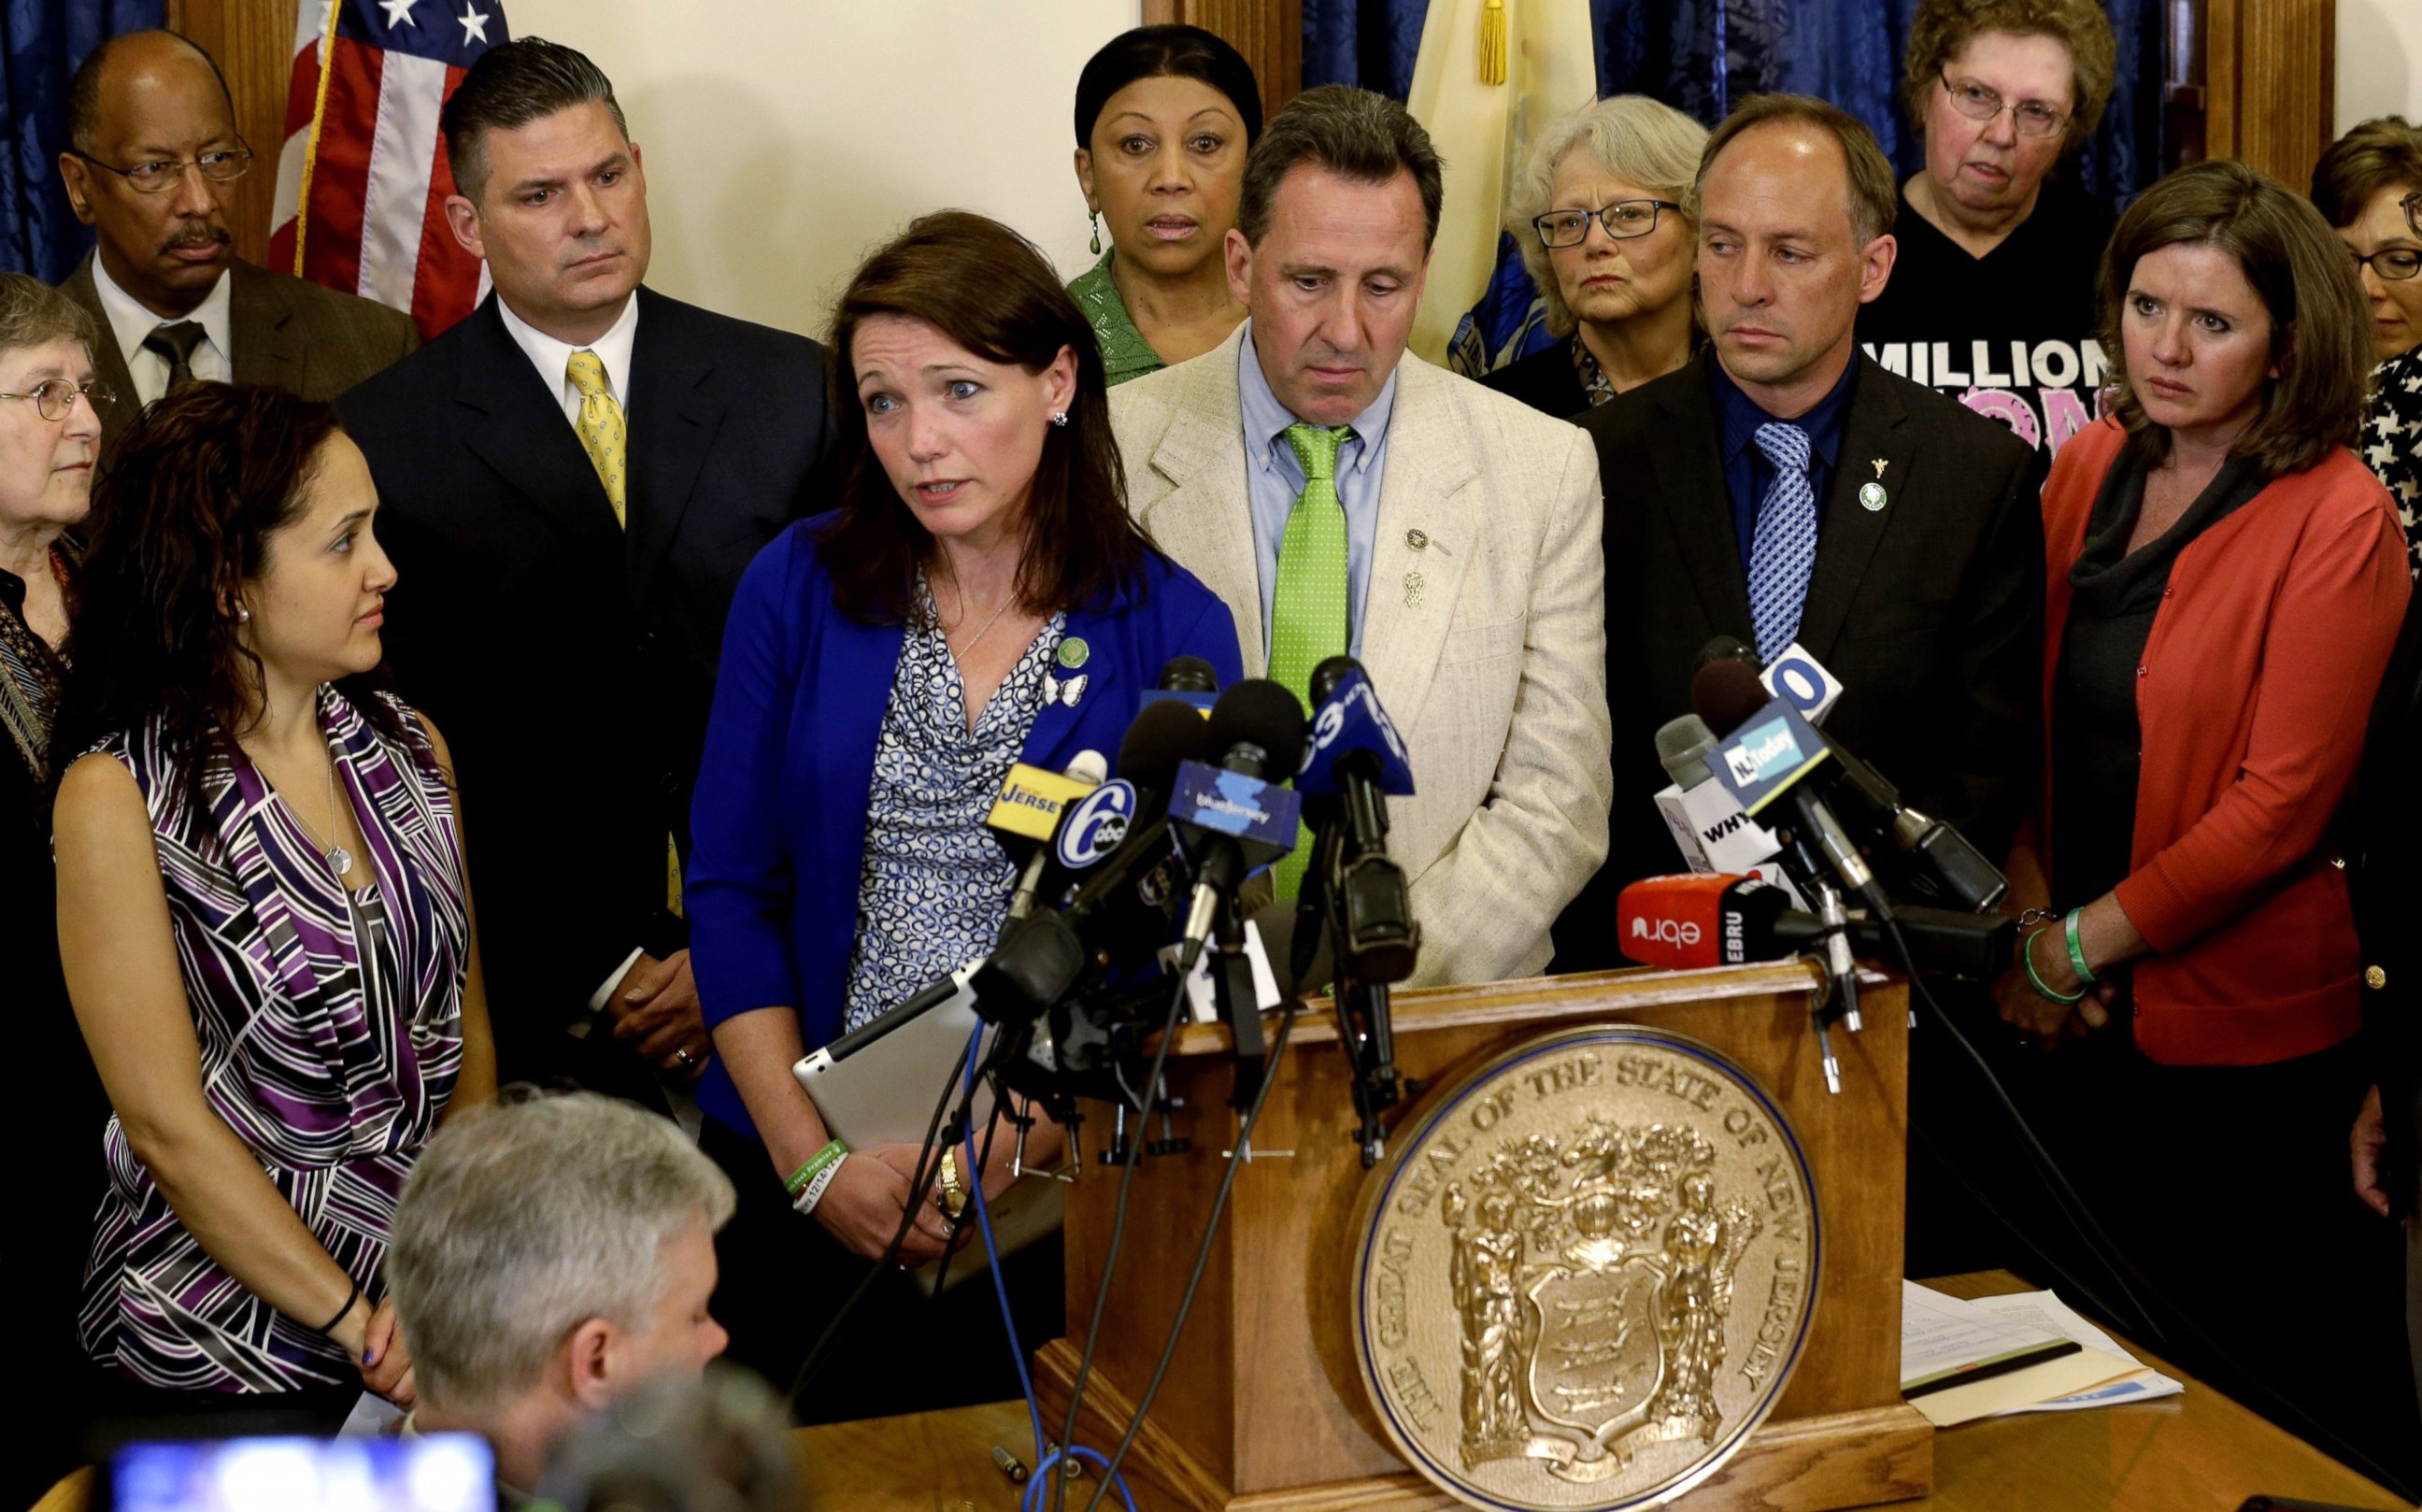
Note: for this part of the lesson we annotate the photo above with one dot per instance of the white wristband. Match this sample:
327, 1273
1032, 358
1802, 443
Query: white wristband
805, 1203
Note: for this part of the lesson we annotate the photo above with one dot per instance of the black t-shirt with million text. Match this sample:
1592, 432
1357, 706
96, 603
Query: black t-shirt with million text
2011, 335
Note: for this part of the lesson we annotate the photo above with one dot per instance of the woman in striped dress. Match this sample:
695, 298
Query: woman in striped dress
262, 916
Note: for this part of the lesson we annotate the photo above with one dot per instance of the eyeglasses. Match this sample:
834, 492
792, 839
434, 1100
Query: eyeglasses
2033, 117
1623, 220
55, 399
225, 166
2394, 263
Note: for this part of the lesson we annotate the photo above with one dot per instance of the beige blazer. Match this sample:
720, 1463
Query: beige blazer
1485, 642
287, 333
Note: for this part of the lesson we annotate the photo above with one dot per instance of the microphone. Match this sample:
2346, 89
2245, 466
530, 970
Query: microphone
1683, 747
1947, 867
1237, 817
1692, 921
1774, 759
1086, 774
1355, 761
1188, 681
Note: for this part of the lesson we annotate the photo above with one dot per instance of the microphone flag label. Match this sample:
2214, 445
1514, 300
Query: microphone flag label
1236, 803
1031, 799
1096, 825
1350, 721
1772, 749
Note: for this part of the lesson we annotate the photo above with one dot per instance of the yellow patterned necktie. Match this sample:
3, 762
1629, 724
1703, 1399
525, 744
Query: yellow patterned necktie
603, 434
607, 440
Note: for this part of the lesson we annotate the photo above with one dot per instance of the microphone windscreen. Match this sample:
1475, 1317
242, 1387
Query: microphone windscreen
1683, 745
1259, 713
1325, 677
1728, 648
1163, 735
1725, 694
1189, 674
1088, 767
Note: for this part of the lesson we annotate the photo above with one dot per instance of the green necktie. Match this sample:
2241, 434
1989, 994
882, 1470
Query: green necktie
1308, 607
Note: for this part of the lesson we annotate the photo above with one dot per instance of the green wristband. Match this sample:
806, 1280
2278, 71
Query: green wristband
2077, 951
2027, 959
829, 1155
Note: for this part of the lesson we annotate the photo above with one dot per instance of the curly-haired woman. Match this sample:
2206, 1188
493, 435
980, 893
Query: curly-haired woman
262, 916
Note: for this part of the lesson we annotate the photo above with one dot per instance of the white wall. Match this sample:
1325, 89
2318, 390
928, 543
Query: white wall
2380, 60
785, 139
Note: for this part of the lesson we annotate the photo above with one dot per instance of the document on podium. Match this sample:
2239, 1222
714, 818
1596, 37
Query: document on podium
1959, 1360
2045, 1310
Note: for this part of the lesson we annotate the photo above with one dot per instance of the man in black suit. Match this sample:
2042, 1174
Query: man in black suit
151, 165
573, 480
1781, 488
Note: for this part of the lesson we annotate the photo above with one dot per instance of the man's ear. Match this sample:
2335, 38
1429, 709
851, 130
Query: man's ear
1239, 256
463, 219
77, 175
588, 1377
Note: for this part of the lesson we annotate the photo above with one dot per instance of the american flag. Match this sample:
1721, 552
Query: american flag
362, 178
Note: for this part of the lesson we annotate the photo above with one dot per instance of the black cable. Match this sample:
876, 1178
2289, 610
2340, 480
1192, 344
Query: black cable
2106, 1249
928, 1165
1201, 1253
1118, 1233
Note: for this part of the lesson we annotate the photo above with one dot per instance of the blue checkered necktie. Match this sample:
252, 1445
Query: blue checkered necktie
1784, 547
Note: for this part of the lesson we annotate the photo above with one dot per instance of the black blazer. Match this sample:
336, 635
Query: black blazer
1544, 380
569, 662
2382, 839
1929, 610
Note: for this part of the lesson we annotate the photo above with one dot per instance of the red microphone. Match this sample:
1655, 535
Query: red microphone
1698, 919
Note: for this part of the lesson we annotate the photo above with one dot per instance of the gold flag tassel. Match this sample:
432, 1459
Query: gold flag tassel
1492, 42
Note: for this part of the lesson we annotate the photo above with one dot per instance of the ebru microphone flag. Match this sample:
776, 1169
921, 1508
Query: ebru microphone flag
362, 178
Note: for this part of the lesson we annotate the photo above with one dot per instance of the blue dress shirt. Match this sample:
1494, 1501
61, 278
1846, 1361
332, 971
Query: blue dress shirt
1747, 473
1274, 479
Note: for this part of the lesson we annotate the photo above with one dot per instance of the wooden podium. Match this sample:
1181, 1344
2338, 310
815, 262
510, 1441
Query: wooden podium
1264, 1408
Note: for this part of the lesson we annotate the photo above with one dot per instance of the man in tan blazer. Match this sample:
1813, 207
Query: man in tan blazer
151, 168
1469, 539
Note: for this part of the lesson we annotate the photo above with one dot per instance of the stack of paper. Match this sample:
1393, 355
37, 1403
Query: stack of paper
1966, 1360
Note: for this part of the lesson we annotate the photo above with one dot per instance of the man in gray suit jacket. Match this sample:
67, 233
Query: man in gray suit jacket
152, 166
1465, 572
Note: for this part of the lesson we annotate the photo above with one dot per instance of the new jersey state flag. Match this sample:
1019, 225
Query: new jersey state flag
362, 177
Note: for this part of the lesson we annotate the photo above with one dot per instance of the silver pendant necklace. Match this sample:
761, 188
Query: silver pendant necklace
339, 859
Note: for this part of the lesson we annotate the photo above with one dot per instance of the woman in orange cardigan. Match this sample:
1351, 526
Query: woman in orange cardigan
2226, 583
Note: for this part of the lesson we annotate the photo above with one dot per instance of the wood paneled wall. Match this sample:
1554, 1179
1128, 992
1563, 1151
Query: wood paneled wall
2270, 85
1268, 32
253, 41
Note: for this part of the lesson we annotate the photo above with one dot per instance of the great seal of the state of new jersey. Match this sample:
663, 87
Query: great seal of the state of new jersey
1585, 1272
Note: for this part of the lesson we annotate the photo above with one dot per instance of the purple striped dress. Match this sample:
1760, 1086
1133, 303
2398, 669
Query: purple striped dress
331, 1034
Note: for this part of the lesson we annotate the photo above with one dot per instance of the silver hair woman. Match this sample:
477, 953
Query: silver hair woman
549, 1256
50, 436
1599, 214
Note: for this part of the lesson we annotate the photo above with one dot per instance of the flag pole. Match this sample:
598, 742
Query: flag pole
311, 143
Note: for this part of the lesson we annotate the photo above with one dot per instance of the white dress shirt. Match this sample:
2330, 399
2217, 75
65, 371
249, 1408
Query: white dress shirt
552, 358
129, 322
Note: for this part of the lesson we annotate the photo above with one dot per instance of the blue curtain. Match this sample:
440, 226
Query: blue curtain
1701, 56
42, 41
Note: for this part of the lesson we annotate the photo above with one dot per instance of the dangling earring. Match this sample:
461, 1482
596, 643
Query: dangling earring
1095, 217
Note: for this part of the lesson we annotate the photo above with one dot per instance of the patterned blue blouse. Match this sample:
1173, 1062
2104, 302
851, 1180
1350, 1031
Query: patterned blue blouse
935, 884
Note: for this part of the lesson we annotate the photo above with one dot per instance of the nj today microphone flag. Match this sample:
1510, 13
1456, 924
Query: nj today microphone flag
362, 176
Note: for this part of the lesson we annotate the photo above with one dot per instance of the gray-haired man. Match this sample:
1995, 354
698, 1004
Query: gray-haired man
550, 1254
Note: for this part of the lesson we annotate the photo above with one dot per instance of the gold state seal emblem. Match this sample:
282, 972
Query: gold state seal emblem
1586, 1272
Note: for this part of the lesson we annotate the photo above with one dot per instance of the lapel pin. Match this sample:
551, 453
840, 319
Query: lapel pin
1871, 496
1073, 651
1417, 538
1880, 463
1414, 588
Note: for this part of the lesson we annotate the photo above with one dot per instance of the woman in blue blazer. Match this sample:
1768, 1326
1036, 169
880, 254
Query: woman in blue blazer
980, 597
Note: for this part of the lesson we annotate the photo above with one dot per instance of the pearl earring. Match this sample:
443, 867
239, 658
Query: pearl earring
243, 615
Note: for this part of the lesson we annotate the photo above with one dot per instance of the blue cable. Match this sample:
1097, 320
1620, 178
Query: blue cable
1040, 1480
